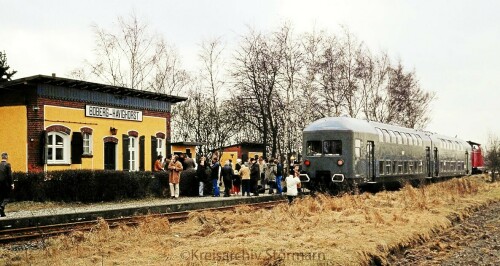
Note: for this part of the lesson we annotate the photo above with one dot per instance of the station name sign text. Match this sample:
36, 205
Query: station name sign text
112, 113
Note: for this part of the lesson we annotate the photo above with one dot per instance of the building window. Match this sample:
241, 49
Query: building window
132, 149
58, 148
87, 143
159, 146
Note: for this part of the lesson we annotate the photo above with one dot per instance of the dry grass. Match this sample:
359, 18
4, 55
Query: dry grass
346, 230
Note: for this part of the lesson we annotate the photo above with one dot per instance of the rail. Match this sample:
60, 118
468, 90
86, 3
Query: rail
37, 232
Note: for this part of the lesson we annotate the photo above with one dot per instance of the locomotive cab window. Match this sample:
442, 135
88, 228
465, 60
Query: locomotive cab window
332, 147
314, 148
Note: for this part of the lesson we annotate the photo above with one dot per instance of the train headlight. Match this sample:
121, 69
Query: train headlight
340, 162
307, 162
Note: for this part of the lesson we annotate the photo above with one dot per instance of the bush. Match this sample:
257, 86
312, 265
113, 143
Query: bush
84, 186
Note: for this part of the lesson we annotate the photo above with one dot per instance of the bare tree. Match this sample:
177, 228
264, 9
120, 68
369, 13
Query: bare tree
374, 79
206, 116
350, 55
492, 157
257, 68
408, 103
133, 57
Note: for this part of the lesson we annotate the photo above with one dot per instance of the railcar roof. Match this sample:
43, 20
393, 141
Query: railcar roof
364, 126
341, 123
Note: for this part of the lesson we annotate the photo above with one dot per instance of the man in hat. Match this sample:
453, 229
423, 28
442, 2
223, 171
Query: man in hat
6, 184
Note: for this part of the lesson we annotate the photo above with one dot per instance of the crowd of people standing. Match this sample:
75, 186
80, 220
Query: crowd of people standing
257, 175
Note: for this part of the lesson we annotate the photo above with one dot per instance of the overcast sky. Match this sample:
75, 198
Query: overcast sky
453, 46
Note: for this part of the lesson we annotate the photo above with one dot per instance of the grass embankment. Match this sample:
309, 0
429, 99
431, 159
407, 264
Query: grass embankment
346, 230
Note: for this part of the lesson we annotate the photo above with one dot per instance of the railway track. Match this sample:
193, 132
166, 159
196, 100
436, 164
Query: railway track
46, 231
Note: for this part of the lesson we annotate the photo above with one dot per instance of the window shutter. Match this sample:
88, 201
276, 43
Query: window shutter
125, 152
142, 153
154, 153
43, 147
76, 148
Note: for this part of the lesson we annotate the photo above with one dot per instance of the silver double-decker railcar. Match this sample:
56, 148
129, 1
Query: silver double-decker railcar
343, 151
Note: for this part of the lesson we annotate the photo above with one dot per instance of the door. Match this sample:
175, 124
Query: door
467, 165
109, 156
428, 161
436, 161
370, 158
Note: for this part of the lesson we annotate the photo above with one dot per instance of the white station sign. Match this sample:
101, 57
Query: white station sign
112, 113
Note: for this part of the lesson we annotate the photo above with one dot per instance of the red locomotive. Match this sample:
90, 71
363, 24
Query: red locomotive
477, 160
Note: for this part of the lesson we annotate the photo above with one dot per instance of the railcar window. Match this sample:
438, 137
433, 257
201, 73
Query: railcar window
393, 136
420, 141
403, 136
380, 134
411, 168
357, 148
394, 167
415, 141
405, 167
400, 167
314, 148
381, 167
387, 137
410, 140
399, 139
333, 147
420, 167
388, 167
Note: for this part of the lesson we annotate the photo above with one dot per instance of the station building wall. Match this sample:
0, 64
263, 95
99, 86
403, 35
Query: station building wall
13, 131
73, 118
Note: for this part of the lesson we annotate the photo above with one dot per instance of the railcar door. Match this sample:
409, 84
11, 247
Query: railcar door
467, 165
436, 161
428, 161
370, 158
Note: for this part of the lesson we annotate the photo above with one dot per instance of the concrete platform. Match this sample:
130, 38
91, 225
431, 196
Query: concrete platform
91, 212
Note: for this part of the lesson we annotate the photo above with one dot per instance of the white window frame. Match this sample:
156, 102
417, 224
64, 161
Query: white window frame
89, 145
160, 144
65, 146
133, 149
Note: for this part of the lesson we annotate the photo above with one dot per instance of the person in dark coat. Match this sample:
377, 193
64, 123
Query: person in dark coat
202, 175
227, 178
214, 176
279, 176
6, 184
254, 176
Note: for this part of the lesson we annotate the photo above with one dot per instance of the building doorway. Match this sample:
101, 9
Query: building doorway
109, 156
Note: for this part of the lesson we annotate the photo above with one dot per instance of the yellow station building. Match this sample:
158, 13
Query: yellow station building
51, 123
